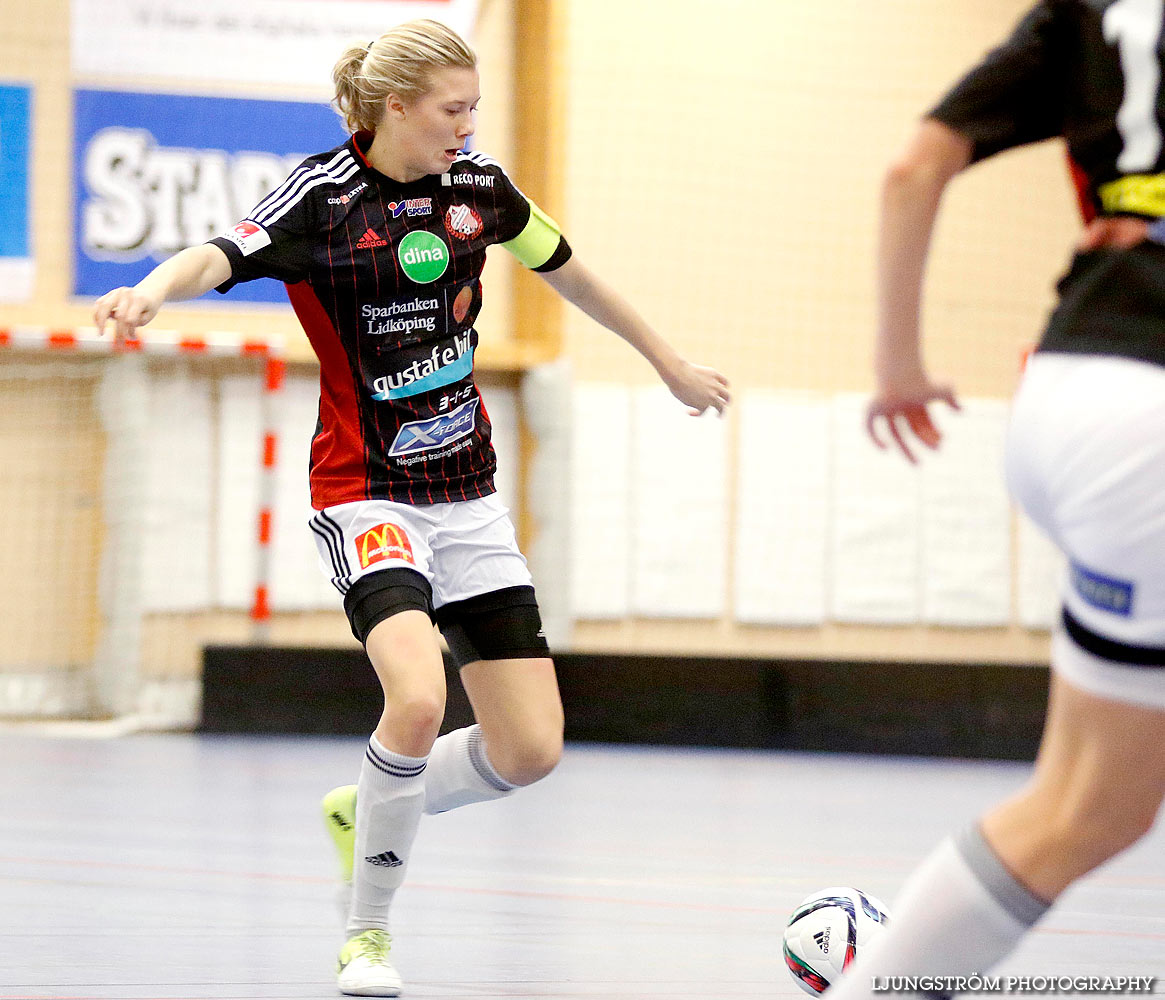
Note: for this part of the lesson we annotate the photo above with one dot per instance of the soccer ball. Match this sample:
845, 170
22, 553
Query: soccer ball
825, 933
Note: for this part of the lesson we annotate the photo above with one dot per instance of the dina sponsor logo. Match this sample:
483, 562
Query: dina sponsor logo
142, 199
435, 432
445, 364
423, 256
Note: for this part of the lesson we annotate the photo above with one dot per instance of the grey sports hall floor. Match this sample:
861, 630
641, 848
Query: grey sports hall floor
174, 866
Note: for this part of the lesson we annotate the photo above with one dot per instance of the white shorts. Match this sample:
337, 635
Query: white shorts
463, 549
1086, 460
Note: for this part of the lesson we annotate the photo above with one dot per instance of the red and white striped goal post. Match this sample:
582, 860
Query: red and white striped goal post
86, 340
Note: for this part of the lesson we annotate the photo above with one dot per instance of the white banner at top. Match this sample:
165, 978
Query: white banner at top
270, 42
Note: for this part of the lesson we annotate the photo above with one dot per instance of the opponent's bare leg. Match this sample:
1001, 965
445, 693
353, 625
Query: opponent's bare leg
1097, 786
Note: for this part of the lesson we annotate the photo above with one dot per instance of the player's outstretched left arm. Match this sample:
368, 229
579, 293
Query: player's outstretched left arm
699, 388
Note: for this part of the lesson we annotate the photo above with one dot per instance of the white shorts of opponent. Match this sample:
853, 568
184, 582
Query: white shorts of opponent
463, 549
1086, 460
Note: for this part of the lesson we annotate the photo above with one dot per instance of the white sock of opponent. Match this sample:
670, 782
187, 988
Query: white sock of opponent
460, 772
958, 914
389, 798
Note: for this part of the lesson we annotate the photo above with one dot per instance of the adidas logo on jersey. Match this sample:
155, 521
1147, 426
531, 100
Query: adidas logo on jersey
385, 860
370, 240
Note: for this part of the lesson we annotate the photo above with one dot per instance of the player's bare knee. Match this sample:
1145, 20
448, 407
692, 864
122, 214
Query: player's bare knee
539, 758
531, 757
1098, 826
414, 719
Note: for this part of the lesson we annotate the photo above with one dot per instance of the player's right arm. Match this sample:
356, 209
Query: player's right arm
911, 195
1013, 97
186, 275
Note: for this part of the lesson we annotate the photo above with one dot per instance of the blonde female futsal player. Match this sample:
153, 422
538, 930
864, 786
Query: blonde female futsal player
381, 242
1085, 457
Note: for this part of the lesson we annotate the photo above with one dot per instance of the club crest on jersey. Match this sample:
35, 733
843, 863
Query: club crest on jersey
463, 222
434, 432
413, 206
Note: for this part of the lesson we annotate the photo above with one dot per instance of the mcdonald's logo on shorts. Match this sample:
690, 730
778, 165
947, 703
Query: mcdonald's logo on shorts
385, 541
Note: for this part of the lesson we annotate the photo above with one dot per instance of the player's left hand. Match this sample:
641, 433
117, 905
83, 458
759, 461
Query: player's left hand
908, 400
699, 388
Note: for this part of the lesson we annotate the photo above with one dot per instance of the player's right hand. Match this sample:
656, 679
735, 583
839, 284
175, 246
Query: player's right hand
908, 401
127, 309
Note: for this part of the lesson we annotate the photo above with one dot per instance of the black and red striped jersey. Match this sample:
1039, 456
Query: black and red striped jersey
385, 278
1089, 71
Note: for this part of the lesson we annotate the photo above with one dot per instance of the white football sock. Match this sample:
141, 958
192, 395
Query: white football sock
389, 797
460, 772
958, 914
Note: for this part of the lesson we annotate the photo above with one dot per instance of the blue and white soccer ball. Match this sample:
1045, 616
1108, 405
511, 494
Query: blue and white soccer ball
826, 932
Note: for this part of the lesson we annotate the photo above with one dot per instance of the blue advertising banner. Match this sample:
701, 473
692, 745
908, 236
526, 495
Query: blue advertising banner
16, 263
155, 173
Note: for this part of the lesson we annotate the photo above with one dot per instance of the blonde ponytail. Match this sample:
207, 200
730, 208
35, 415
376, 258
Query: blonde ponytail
399, 62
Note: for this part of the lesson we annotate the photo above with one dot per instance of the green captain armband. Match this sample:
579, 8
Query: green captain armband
535, 245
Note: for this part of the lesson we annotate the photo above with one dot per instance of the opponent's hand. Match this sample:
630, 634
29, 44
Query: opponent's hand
1115, 232
699, 388
908, 400
128, 309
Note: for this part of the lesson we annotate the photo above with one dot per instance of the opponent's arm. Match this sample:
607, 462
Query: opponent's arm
696, 386
911, 194
186, 275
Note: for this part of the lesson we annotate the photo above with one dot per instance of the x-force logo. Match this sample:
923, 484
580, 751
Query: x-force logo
423, 435
385, 541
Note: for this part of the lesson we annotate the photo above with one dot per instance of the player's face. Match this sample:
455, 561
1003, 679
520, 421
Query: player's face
435, 126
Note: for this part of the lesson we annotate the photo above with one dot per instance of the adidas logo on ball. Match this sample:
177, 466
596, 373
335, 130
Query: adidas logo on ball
826, 932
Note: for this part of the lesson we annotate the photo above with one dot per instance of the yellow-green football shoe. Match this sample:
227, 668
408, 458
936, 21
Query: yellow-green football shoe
363, 968
340, 818
339, 807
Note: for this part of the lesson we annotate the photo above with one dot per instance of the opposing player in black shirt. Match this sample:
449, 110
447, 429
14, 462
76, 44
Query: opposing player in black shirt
1085, 457
381, 242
